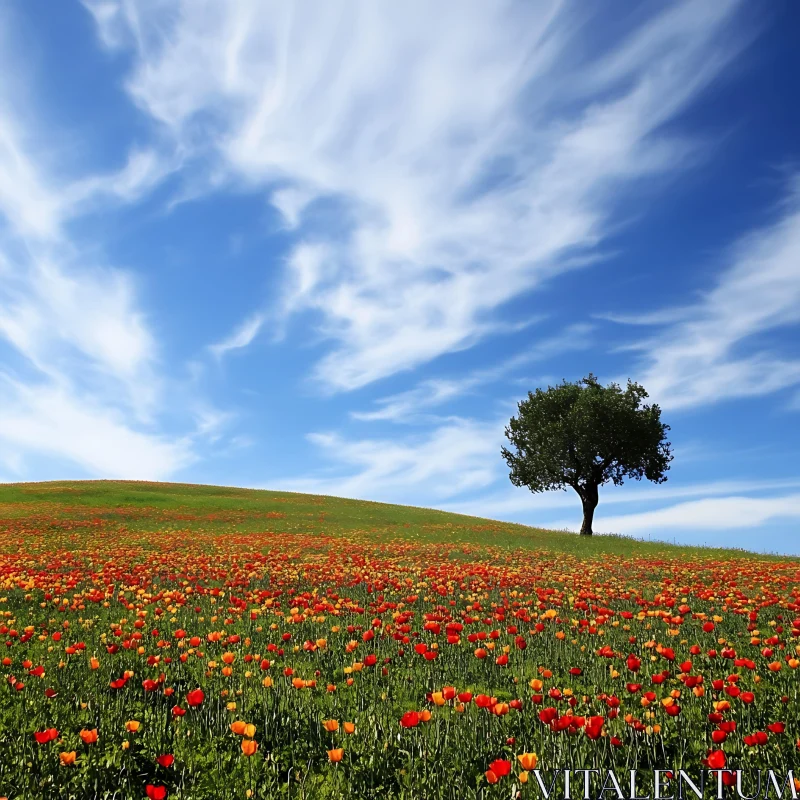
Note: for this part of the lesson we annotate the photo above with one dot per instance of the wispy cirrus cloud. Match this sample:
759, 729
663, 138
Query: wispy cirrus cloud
81, 383
458, 456
475, 151
406, 406
511, 502
714, 349
709, 514
239, 338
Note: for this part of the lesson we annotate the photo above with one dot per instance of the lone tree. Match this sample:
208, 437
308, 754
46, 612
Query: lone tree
584, 435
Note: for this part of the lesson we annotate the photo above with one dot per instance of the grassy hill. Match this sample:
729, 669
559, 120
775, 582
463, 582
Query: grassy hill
149, 506
176, 641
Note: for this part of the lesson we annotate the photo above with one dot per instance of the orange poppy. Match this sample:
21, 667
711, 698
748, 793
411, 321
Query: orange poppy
249, 746
89, 737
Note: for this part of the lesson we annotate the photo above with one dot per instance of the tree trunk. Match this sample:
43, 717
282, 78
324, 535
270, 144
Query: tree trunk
589, 500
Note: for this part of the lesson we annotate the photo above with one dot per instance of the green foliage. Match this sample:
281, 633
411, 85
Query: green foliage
582, 435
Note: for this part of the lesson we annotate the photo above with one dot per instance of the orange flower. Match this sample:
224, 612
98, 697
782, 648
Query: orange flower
94, 663
132, 725
249, 746
335, 756
89, 737
425, 715
238, 727
68, 758
331, 725
528, 761
228, 658
349, 727
438, 698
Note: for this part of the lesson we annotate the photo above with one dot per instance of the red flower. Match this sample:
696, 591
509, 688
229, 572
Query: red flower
776, 727
177, 711
547, 715
43, 737
195, 697
715, 760
156, 792
166, 760
594, 727
633, 663
500, 767
410, 719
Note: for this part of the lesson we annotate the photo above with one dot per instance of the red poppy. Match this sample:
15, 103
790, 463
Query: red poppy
167, 760
547, 715
500, 767
195, 697
155, 792
776, 727
49, 735
410, 719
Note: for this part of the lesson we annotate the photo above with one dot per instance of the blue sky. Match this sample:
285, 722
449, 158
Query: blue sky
328, 247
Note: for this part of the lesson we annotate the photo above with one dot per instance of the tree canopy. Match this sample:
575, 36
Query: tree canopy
583, 435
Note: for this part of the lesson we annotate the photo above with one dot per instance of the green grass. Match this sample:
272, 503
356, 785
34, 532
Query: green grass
200, 507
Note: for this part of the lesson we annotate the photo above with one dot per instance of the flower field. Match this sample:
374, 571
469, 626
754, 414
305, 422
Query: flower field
186, 642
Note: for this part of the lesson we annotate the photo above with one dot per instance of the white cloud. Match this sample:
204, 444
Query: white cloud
240, 338
718, 513
476, 149
459, 456
86, 386
55, 421
435, 392
512, 502
710, 352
